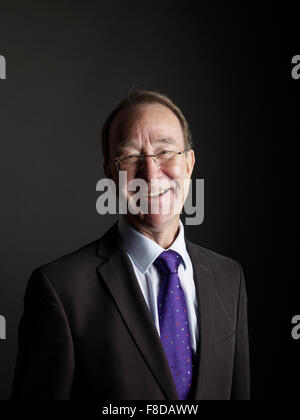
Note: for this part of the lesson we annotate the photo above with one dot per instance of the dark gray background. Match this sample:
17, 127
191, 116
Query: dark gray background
68, 64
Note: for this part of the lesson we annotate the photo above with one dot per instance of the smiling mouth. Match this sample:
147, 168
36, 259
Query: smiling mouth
161, 191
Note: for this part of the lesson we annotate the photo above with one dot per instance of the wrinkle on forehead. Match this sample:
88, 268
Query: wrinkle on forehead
130, 142
148, 122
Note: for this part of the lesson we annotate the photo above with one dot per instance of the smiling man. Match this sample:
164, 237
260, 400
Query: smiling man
141, 313
147, 141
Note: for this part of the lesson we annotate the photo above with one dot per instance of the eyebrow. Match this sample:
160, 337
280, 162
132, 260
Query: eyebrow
129, 142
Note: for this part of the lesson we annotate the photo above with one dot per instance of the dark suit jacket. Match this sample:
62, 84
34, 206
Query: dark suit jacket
87, 332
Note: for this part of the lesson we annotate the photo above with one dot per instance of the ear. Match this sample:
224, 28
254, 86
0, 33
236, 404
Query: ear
190, 161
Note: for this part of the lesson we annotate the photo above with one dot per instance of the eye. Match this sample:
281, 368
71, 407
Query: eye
165, 153
130, 158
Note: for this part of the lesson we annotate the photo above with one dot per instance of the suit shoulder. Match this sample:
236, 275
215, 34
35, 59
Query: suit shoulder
225, 270
76, 269
213, 257
77, 256
71, 267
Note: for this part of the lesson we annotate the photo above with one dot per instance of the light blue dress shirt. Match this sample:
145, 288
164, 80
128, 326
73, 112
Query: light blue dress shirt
142, 252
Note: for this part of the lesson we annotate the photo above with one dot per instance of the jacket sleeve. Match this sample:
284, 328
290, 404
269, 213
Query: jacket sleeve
241, 373
45, 362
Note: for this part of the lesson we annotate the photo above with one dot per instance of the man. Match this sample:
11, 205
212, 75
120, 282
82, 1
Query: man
141, 313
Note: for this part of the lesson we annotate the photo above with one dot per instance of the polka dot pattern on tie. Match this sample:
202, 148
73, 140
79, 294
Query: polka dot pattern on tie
173, 321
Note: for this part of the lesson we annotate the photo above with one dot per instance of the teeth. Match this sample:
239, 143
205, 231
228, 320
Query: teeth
157, 193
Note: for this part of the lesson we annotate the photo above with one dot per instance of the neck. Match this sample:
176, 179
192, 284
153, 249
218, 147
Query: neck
163, 235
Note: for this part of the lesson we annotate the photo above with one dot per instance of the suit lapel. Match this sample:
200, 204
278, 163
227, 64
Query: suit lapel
117, 273
205, 294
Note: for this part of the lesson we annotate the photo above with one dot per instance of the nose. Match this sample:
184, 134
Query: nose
149, 169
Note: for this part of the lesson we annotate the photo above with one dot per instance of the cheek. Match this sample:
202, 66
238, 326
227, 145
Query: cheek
123, 183
178, 173
180, 176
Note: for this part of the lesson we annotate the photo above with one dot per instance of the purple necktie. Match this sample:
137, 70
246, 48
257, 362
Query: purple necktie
173, 322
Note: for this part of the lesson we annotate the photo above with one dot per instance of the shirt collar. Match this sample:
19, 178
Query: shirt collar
143, 250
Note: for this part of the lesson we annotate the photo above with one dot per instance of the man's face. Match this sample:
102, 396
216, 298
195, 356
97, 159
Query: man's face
149, 129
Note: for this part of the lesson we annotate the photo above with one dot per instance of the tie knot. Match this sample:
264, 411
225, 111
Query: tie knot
168, 260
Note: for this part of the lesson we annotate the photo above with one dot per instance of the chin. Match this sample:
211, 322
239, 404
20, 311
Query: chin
163, 212
156, 221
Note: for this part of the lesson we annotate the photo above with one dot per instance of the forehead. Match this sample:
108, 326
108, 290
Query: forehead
145, 122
